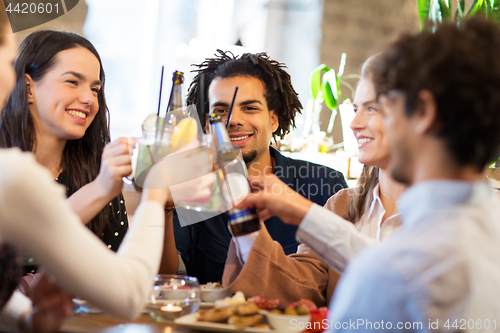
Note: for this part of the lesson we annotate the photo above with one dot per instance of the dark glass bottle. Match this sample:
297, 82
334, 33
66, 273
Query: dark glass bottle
234, 172
243, 221
177, 108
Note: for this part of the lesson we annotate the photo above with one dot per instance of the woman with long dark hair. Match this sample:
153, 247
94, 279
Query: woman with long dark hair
58, 111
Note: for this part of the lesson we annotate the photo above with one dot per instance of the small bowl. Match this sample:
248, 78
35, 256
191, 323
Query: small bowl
215, 294
285, 322
173, 296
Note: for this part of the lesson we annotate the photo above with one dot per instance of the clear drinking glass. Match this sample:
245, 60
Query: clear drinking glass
151, 147
174, 296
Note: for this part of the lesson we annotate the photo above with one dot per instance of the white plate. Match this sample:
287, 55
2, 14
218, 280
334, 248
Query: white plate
191, 321
205, 305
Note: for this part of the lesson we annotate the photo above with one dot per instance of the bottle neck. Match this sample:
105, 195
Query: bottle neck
177, 100
221, 137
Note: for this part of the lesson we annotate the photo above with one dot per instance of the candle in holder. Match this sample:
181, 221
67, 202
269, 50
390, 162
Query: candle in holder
174, 296
171, 308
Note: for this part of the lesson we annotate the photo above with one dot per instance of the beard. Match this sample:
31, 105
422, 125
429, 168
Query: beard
399, 176
401, 165
249, 156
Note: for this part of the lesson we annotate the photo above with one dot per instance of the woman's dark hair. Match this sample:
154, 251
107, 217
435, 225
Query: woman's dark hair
363, 194
280, 95
460, 66
81, 157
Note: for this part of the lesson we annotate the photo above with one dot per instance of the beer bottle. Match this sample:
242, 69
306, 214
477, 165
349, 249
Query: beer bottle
177, 108
243, 221
235, 179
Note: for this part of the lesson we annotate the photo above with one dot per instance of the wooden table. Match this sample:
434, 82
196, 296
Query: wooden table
101, 323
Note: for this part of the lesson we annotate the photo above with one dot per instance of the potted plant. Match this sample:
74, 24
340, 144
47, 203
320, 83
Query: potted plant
437, 11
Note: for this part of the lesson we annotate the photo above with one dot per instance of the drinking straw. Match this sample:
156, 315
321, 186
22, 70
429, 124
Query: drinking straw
159, 104
231, 108
201, 111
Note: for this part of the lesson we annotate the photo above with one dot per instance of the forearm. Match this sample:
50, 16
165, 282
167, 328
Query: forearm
271, 274
118, 283
88, 201
333, 238
169, 261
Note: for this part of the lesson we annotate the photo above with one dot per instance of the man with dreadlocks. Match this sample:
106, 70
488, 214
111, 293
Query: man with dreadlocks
265, 107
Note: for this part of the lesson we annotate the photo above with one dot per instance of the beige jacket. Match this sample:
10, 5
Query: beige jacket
270, 274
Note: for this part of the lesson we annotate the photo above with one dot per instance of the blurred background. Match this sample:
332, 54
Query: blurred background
135, 38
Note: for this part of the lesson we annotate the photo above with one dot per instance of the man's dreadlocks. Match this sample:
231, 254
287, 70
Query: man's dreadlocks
280, 95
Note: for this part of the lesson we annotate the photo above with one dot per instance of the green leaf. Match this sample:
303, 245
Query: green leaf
495, 10
315, 78
330, 89
423, 11
488, 8
435, 14
445, 10
459, 14
475, 7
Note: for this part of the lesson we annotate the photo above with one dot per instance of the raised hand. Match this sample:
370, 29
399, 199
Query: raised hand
51, 305
115, 165
271, 197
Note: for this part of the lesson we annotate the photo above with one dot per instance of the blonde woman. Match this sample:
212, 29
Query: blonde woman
353, 220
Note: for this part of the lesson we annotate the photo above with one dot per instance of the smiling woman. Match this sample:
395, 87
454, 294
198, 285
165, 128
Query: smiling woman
58, 111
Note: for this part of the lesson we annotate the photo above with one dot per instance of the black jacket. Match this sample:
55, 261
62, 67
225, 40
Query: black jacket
204, 245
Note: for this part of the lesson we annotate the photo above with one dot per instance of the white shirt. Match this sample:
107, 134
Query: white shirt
371, 224
441, 270
35, 216
337, 240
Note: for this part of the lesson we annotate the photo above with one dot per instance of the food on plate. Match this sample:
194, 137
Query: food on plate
302, 307
305, 303
240, 315
246, 309
316, 321
245, 321
238, 298
213, 291
265, 304
212, 286
216, 315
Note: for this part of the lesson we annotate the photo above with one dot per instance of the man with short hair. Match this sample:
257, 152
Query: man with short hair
265, 107
440, 96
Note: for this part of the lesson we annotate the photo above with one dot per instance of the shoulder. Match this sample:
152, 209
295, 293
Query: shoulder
308, 171
339, 202
365, 279
17, 167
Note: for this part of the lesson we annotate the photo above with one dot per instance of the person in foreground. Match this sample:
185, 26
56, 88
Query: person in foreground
35, 216
368, 209
265, 107
439, 98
